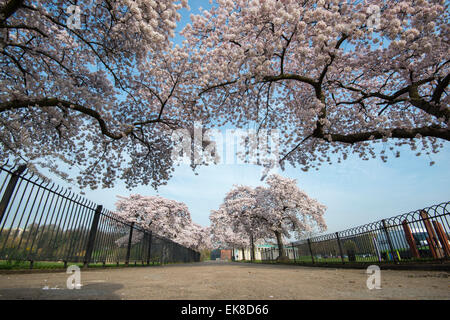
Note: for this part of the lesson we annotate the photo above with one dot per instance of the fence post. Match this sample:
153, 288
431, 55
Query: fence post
442, 238
388, 237
127, 258
92, 234
149, 252
432, 240
410, 239
310, 250
340, 247
10, 190
162, 252
293, 250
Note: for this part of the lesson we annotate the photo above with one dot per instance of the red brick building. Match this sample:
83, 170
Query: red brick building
225, 254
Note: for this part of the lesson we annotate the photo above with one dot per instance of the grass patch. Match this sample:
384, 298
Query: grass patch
359, 260
26, 265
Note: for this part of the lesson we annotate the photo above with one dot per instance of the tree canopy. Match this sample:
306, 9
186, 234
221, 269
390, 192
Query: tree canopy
333, 76
102, 98
279, 211
105, 94
165, 217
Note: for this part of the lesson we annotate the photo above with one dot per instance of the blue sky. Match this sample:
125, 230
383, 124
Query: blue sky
355, 191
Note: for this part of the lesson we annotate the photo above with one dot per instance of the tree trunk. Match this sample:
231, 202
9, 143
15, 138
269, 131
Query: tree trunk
281, 253
253, 248
243, 254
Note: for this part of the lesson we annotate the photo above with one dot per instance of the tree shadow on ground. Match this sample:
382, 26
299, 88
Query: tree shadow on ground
93, 291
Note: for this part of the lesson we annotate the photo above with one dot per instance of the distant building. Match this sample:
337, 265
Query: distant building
260, 251
215, 254
265, 251
222, 254
225, 254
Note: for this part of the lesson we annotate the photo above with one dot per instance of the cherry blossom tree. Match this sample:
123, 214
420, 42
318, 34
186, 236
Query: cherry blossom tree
287, 210
225, 233
99, 86
96, 85
336, 77
196, 237
240, 204
167, 218
279, 210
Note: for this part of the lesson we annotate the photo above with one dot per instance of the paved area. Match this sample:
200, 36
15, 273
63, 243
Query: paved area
222, 280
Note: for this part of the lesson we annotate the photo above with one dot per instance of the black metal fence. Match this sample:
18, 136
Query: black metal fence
421, 235
43, 222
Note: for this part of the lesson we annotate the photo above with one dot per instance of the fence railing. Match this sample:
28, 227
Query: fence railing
419, 235
40, 221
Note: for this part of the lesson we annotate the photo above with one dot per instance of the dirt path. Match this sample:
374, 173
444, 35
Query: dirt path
217, 281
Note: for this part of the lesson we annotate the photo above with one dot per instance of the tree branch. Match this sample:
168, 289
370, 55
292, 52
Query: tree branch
53, 102
400, 133
9, 9
440, 89
291, 77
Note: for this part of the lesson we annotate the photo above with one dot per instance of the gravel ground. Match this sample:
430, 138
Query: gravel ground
227, 281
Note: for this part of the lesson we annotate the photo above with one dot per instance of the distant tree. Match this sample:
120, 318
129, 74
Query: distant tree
225, 232
196, 237
241, 204
165, 217
285, 209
